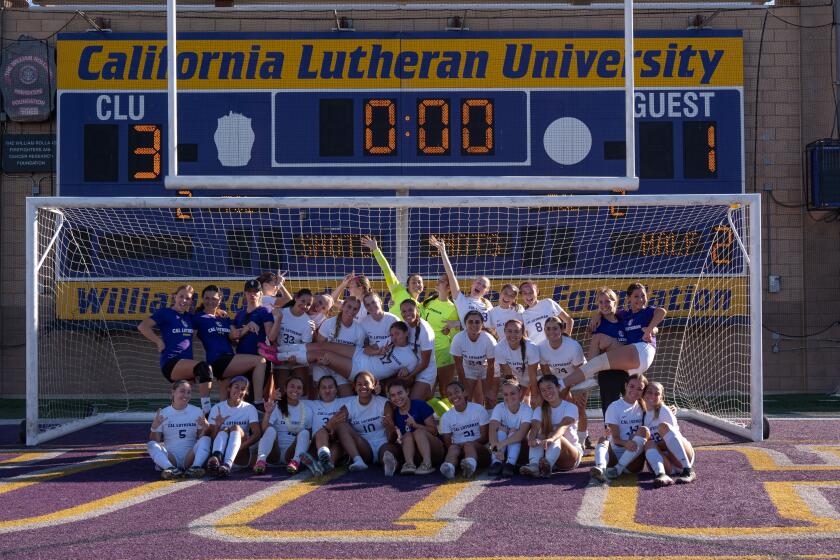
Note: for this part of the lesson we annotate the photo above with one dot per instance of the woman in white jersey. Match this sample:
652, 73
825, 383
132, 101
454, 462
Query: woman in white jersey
510, 422
464, 431
624, 448
396, 357
538, 310
287, 429
274, 292
341, 329
179, 437
519, 357
667, 451
327, 413
365, 437
559, 353
235, 428
553, 440
465, 302
474, 352
421, 339
359, 287
505, 310
292, 325
377, 322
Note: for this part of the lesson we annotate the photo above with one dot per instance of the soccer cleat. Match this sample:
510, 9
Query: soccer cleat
686, 476
530, 470
425, 468
447, 470
508, 470
326, 461
545, 468
311, 464
292, 467
357, 466
467, 468
194, 472
171, 473
408, 468
597, 474
495, 469
612, 472
389, 463
662, 480
259, 466
268, 352
585, 385
213, 463
224, 471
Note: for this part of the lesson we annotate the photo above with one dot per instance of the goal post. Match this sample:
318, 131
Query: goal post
97, 266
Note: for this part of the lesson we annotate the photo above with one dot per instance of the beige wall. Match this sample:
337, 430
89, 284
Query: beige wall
795, 106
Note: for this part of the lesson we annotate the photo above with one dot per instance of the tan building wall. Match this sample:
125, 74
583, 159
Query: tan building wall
795, 106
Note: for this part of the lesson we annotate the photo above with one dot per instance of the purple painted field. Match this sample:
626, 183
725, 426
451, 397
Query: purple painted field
86, 497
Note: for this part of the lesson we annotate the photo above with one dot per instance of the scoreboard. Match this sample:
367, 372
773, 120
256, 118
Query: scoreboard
482, 104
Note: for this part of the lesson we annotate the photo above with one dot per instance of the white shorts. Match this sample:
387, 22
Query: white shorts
179, 455
375, 446
428, 375
319, 371
580, 455
646, 353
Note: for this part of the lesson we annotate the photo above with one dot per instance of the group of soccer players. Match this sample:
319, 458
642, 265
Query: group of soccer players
358, 386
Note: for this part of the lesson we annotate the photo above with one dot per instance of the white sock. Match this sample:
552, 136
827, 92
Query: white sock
601, 454
358, 460
657, 463
201, 450
324, 449
512, 451
159, 455
301, 444
232, 449
553, 452
205, 405
535, 454
674, 445
629, 456
266, 443
599, 363
220, 442
472, 462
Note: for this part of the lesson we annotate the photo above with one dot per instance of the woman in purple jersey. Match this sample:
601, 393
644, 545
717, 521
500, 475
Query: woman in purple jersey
175, 343
607, 334
213, 327
639, 322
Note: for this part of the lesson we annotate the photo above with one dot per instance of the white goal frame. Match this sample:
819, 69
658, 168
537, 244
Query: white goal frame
751, 248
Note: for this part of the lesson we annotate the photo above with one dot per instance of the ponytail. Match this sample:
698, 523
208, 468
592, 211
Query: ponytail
546, 424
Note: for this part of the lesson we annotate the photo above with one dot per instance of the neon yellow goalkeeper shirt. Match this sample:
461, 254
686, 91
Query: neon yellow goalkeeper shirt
398, 292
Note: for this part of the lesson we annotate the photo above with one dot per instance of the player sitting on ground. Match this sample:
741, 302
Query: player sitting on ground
179, 436
235, 428
416, 427
667, 451
553, 439
327, 412
509, 426
464, 430
627, 436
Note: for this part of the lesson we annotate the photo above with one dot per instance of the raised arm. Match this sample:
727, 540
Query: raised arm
391, 279
454, 287
339, 290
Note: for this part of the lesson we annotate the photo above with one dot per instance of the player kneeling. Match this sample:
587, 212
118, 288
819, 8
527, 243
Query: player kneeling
287, 429
667, 451
179, 436
553, 439
622, 450
235, 429
464, 430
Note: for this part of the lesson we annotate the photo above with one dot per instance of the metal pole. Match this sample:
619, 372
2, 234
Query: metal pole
629, 85
172, 87
31, 323
756, 342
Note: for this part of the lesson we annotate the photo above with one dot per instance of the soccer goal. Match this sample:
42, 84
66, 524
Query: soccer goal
97, 266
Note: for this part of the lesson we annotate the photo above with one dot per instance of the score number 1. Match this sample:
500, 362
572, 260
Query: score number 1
433, 127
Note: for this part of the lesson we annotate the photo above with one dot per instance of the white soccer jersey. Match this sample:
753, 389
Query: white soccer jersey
383, 367
561, 359
499, 316
288, 427
627, 416
179, 429
564, 410
466, 304
323, 411
513, 358
378, 332
426, 341
361, 314
464, 426
353, 335
293, 329
474, 354
243, 415
367, 419
535, 316
268, 302
317, 319
511, 421
665, 415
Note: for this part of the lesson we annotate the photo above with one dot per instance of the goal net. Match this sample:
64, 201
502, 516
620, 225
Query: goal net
97, 267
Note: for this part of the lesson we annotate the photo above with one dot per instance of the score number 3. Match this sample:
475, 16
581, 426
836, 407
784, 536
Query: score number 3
144, 146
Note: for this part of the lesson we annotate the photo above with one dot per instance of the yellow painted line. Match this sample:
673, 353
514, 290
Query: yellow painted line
622, 503
763, 459
30, 457
421, 516
29, 479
